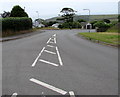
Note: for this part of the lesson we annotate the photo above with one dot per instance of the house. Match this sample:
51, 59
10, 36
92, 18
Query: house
86, 25
55, 25
37, 24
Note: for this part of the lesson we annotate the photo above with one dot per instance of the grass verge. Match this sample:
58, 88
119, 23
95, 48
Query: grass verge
11, 33
103, 37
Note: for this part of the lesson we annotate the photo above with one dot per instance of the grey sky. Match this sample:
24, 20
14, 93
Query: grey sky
51, 8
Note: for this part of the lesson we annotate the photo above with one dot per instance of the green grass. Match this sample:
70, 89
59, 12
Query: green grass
103, 37
113, 29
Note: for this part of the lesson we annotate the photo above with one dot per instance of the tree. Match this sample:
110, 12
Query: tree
17, 11
68, 14
81, 20
118, 18
5, 14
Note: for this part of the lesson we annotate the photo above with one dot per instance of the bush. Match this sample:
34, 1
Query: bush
70, 25
92, 23
102, 26
16, 24
107, 20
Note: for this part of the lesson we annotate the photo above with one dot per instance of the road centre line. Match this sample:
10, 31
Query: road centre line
48, 86
50, 52
55, 40
44, 61
14, 95
54, 35
48, 40
50, 46
38, 57
60, 60
72, 94
51, 42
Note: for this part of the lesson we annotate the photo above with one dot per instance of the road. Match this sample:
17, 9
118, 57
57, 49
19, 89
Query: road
58, 62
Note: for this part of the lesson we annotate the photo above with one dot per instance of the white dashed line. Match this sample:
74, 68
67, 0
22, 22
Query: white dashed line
14, 95
48, 86
50, 46
50, 52
72, 94
38, 57
60, 60
48, 40
48, 62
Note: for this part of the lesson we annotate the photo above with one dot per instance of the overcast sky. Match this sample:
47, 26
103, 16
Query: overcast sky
51, 8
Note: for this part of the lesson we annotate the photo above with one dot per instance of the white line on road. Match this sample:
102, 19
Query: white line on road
55, 40
51, 42
38, 57
48, 86
50, 46
72, 94
60, 60
48, 62
54, 35
48, 40
50, 52
14, 95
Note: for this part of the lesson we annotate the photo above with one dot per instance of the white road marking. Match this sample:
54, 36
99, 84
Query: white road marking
54, 35
48, 62
14, 95
48, 86
51, 42
50, 46
38, 57
72, 94
55, 40
48, 40
50, 52
60, 60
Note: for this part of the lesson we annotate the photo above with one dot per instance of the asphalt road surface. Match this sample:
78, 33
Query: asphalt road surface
58, 62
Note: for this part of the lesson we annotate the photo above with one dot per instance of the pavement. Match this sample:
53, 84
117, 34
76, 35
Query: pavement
58, 62
20, 36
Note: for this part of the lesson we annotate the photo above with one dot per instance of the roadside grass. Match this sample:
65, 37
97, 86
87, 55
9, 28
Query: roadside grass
105, 37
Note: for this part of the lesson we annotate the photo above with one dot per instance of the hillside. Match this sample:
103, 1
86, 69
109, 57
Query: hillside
113, 17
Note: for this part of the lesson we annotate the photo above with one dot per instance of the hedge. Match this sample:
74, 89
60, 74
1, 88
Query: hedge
16, 24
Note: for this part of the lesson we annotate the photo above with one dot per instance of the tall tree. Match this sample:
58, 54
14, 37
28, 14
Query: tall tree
17, 11
68, 14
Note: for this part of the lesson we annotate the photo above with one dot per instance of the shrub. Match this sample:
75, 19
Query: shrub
107, 20
16, 24
70, 25
102, 26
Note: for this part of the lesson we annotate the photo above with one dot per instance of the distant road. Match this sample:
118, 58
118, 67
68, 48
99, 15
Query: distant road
57, 62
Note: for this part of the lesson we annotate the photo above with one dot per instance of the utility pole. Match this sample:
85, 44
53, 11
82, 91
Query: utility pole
38, 14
